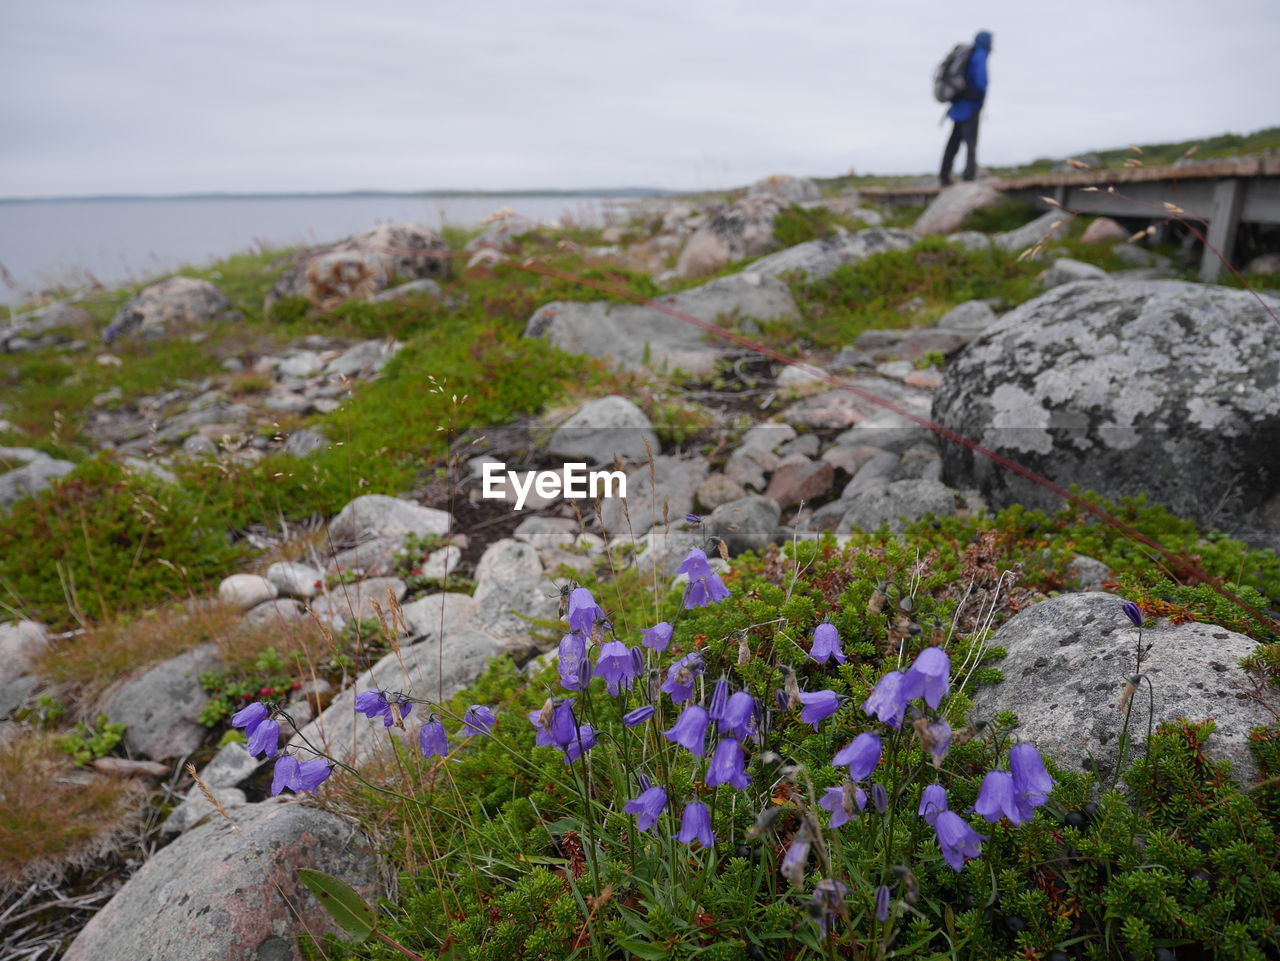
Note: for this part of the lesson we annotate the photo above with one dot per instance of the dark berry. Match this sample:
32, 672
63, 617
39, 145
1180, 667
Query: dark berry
1075, 819
1165, 954
1199, 875
1058, 956
1015, 924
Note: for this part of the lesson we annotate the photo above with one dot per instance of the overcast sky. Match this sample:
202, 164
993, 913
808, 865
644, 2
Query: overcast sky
170, 96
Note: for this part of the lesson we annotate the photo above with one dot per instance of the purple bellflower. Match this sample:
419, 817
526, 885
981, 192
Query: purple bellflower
658, 636
250, 717
563, 729
575, 669
928, 677
793, 862
738, 715
1030, 779
690, 730
390, 708
265, 739
998, 797
882, 903
888, 701
651, 803
616, 665
695, 825
432, 741
692, 519
584, 740
478, 719
680, 677
932, 803
956, 839
728, 766
719, 700
879, 798
936, 739
861, 756
826, 644
841, 800
299, 776
705, 586
818, 706
638, 716
583, 612
1132, 611
828, 901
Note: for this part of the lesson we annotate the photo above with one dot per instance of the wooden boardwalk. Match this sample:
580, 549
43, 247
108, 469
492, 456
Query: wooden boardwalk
1221, 194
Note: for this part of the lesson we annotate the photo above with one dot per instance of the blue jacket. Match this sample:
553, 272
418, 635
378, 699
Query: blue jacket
975, 76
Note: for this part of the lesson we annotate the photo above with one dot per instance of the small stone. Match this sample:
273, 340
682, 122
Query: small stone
850, 459
292, 579
305, 442
197, 445
546, 532
1065, 271
803, 480
440, 564
246, 590
748, 524
718, 489
376, 515
796, 381
282, 610
508, 560
605, 428
428, 615
971, 315
898, 504
124, 767
1103, 230
357, 601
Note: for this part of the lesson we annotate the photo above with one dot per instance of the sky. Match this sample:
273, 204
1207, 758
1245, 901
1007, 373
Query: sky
168, 96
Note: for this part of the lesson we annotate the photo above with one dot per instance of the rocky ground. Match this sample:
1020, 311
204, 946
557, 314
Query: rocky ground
1125, 381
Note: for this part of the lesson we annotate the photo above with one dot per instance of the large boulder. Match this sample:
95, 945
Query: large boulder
232, 891
1069, 659
174, 304
1158, 387
744, 229
637, 336
363, 266
818, 258
947, 211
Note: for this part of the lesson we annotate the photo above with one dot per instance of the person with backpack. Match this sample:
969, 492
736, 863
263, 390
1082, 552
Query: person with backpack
961, 80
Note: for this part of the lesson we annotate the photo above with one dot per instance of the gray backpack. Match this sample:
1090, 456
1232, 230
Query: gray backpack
949, 82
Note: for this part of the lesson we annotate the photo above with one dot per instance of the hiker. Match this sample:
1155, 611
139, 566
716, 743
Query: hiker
966, 108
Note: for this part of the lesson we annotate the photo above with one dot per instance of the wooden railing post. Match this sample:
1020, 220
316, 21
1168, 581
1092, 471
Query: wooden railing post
1227, 195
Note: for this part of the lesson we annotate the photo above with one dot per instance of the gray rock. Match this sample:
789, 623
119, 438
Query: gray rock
1136, 256
154, 471
898, 504
877, 471
919, 462
1029, 235
232, 766
34, 476
363, 359
646, 506
292, 579
508, 560
462, 655
346, 602
1159, 387
197, 445
189, 902
794, 381
414, 288
971, 240
21, 644
428, 615
749, 524
605, 428
1103, 230
546, 532
160, 706
1264, 265
376, 515
196, 808
507, 609
843, 408
743, 229
440, 564
887, 430
948, 210
664, 549
786, 188
718, 489
373, 558
171, 305
806, 444
1066, 271
768, 436
301, 364
305, 442
244, 591
638, 337
1089, 574
1069, 659
818, 258
281, 611
971, 315
799, 479
850, 459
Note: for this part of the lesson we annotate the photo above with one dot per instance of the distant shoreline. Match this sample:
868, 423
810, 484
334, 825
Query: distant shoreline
339, 194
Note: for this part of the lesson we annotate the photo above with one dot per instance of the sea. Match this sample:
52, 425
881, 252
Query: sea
77, 244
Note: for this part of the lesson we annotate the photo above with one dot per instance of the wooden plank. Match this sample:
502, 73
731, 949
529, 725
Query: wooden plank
1221, 239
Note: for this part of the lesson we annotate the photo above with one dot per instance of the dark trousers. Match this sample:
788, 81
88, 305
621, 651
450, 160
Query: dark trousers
965, 131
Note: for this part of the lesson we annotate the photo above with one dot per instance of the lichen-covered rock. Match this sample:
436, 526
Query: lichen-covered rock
1070, 657
818, 258
365, 265
603, 428
788, 189
1159, 387
220, 892
744, 229
176, 303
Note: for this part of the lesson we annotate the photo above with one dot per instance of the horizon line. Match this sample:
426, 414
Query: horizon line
303, 194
